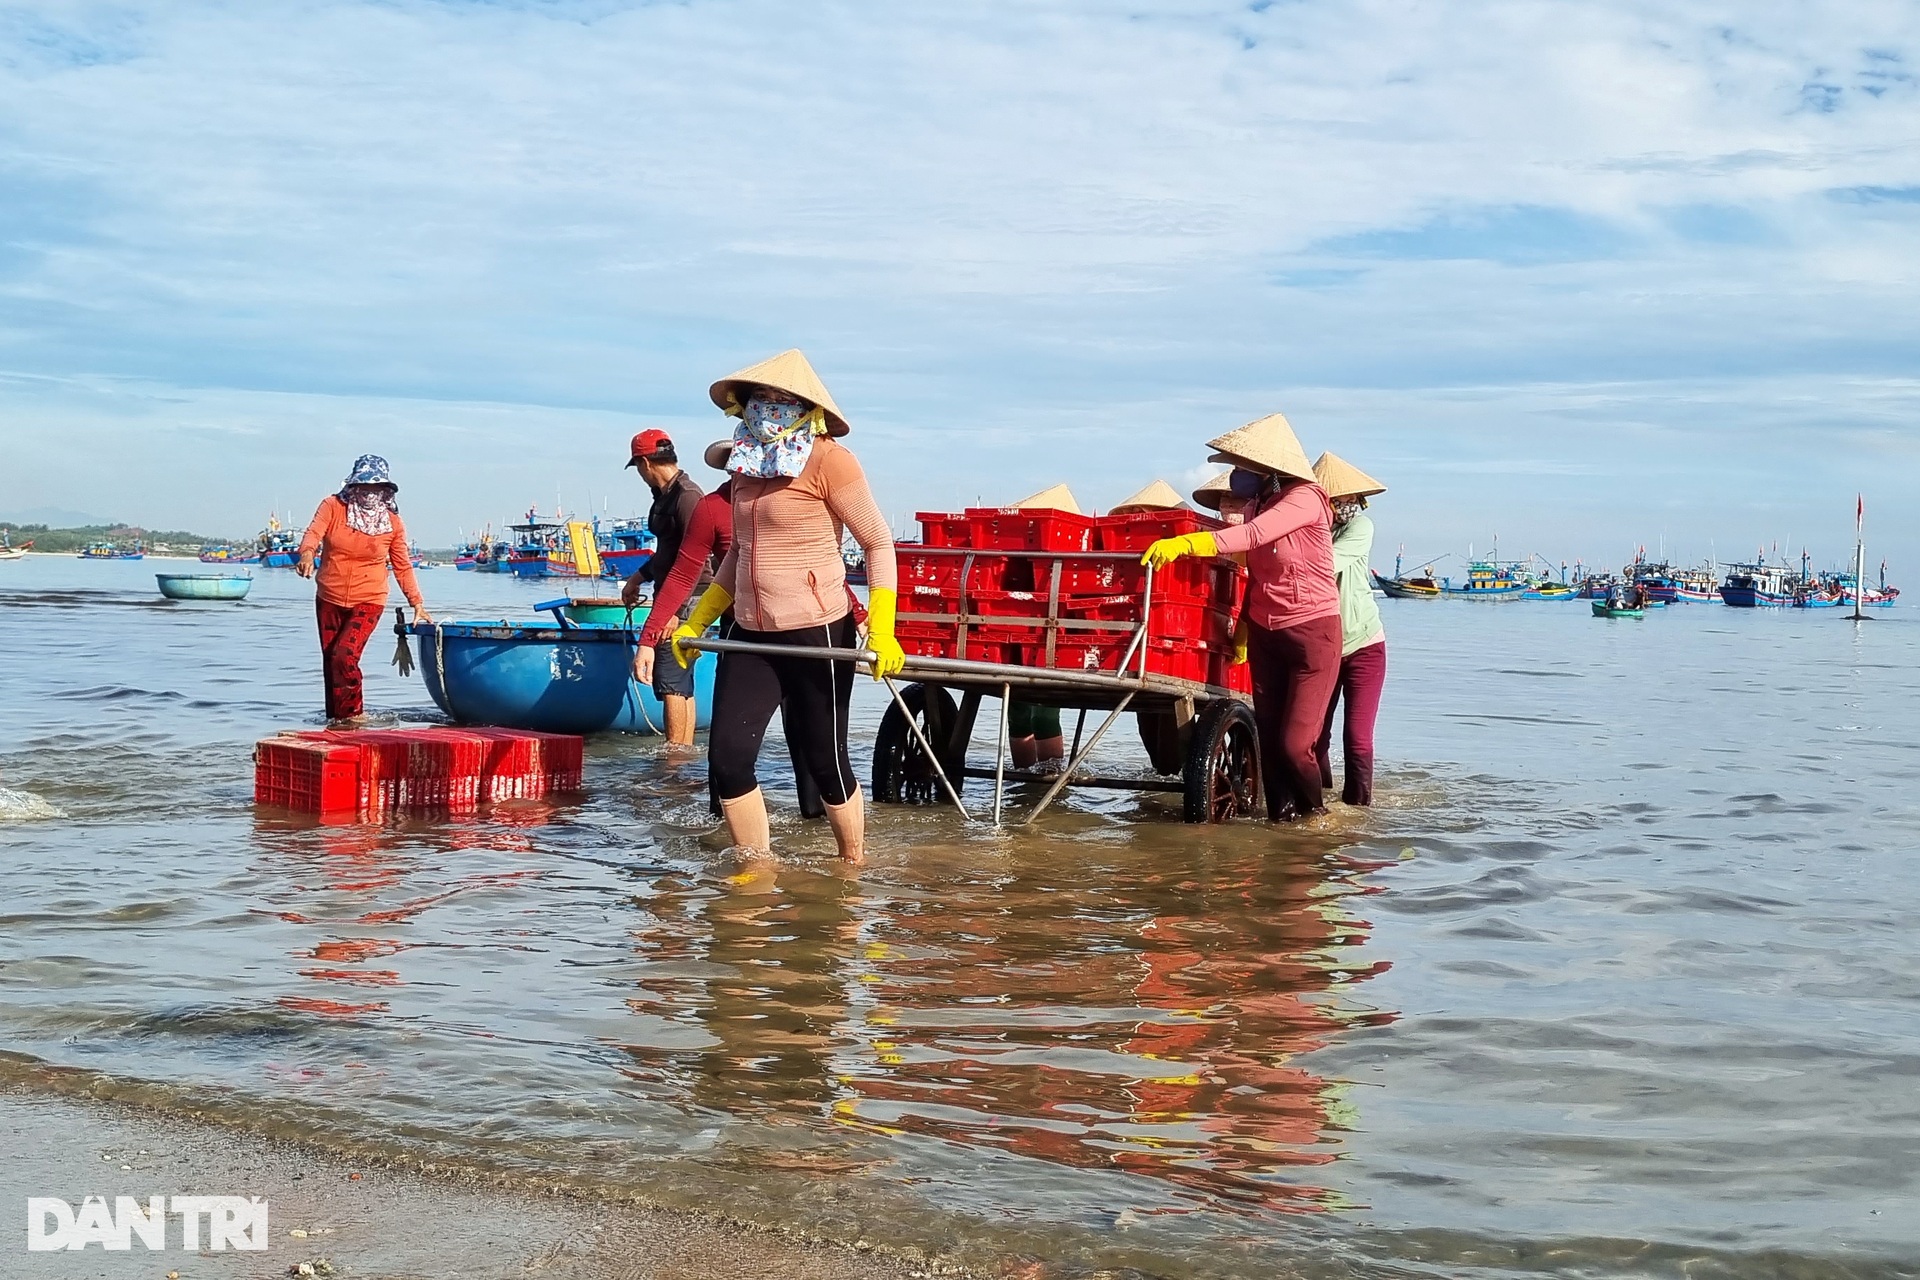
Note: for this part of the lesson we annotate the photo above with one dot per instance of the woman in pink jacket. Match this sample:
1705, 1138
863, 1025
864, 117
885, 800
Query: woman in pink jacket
1292, 608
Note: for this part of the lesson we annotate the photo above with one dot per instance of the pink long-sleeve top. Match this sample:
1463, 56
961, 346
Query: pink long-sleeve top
1288, 541
784, 569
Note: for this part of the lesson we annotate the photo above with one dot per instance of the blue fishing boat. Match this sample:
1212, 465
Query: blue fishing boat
204, 586
625, 546
278, 546
227, 553
113, 551
557, 678
1487, 580
1757, 585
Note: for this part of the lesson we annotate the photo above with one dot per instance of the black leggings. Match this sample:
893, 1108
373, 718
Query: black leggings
749, 687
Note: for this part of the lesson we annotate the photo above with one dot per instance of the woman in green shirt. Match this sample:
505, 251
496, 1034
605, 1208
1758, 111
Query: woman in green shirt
1363, 648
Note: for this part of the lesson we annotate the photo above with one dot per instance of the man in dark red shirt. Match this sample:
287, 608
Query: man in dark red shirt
675, 497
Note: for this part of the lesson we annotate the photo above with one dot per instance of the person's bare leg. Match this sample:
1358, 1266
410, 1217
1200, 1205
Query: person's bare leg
679, 720
849, 823
747, 821
1025, 751
1050, 754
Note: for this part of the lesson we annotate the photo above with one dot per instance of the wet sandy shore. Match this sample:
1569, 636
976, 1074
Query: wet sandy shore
363, 1221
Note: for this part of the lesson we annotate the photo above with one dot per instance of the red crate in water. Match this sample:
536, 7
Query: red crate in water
307, 776
1139, 530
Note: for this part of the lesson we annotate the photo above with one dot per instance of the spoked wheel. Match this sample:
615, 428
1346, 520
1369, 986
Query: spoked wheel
902, 773
1223, 764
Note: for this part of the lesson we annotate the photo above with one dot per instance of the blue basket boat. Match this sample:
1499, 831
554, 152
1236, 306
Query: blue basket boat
204, 586
553, 678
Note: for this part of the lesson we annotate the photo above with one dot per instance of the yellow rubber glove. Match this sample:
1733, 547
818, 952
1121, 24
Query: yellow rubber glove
1240, 642
888, 657
1167, 550
711, 606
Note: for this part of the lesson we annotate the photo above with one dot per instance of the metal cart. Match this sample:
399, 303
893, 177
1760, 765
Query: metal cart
1200, 738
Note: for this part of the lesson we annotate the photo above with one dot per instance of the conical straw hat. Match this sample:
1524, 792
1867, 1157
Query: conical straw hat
1209, 494
1158, 496
1266, 445
1058, 498
789, 372
1341, 479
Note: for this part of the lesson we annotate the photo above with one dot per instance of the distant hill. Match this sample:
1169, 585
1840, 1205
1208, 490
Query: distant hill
159, 541
55, 518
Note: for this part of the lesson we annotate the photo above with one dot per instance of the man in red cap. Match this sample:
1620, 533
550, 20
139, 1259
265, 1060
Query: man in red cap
675, 495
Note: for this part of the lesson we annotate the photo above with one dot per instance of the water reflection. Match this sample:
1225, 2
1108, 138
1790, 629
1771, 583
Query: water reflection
1145, 1021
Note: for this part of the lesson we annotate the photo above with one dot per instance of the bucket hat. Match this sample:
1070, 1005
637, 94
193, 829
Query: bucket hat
717, 454
1058, 498
1341, 479
1209, 495
371, 468
1267, 444
788, 372
1158, 496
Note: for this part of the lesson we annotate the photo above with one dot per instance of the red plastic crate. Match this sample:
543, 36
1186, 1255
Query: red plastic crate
944, 529
1177, 619
985, 571
1138, 530
415, 770
306, 776
1012, 529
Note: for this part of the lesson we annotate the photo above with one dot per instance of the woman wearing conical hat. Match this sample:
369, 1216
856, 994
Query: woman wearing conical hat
1292, 608
1363, 645
796, 492
1218, 495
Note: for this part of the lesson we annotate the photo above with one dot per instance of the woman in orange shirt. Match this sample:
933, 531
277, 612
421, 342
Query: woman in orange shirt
357, 536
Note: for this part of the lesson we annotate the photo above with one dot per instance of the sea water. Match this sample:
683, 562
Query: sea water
1618, 978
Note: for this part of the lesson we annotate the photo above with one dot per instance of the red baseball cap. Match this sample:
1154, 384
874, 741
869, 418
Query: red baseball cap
649, 444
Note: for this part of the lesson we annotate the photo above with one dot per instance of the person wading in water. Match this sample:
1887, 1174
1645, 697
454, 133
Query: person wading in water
796, 491
1363, 644
675, 495
357, 537
1293, 605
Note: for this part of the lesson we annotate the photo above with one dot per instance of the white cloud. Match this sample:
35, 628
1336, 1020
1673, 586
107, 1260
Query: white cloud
1056, 238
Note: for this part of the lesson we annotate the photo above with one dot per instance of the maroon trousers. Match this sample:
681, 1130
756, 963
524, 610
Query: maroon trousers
1363, 673
1294, 672
344, 632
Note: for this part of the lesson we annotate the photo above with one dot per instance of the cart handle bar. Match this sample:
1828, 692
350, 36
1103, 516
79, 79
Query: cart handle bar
1002, 673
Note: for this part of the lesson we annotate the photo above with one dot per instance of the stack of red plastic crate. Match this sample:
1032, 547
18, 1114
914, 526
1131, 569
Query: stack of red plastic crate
970, 569
437, 770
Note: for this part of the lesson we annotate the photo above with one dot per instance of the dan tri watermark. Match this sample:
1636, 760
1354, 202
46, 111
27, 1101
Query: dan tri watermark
229, 1222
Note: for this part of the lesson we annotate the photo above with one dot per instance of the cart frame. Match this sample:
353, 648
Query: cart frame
1214, 728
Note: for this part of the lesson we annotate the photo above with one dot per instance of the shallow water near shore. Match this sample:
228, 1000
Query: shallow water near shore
1617, 979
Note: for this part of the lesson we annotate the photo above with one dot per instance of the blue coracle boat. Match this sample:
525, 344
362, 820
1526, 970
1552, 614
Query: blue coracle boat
556, 679
204, 586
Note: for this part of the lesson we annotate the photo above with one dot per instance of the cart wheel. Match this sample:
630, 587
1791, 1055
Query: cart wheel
902, 774
1223, 764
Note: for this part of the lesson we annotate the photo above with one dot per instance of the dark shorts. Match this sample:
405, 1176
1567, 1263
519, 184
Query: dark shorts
670, 679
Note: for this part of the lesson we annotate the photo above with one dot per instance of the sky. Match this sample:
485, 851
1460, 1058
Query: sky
1577, 276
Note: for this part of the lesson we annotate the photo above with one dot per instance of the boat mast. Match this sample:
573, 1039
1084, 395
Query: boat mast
1859, 556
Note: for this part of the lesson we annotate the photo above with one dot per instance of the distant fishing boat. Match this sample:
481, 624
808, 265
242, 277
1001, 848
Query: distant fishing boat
485, 554
1420, 586
277, 546
1694, 586
1757, 585
204, 586
1547, 589
1658, 582
1487, 580
856, 562
113, 551
1607, 609
625, 546
10, 552
227, 553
